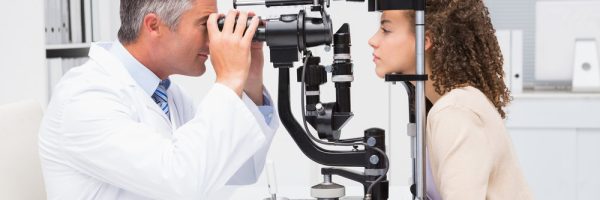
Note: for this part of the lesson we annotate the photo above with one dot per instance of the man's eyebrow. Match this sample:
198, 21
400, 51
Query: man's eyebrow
385, 21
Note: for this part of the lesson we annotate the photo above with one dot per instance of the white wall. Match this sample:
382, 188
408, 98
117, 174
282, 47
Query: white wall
22, 52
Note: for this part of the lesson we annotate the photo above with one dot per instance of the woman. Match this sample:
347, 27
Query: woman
470, 154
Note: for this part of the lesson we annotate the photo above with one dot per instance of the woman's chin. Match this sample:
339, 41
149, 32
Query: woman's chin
380, 74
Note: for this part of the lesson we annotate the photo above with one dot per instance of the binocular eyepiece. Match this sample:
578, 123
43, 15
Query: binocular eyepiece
292, 30
259, 35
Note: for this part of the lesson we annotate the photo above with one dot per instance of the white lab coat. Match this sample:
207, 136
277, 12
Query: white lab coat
104, 138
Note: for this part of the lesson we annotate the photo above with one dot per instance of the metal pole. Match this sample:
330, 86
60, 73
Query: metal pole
248, 3
420, 105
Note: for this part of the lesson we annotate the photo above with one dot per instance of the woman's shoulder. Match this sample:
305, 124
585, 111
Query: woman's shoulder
465, 99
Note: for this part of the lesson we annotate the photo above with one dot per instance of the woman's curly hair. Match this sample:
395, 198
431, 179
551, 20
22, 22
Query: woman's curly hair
464, 49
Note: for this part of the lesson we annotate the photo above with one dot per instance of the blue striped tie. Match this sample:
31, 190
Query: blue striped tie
160, 96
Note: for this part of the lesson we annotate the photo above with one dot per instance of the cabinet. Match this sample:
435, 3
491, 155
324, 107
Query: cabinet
557, 139
70, 27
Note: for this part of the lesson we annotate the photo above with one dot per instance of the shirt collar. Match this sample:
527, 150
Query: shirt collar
145, 78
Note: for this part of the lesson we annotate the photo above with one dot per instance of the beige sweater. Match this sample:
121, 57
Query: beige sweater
471, 153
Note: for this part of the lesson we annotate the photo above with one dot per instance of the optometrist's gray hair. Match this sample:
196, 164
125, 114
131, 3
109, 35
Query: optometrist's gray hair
133, 13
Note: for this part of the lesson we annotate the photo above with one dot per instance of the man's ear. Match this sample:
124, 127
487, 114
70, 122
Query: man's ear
151, 24
428, 41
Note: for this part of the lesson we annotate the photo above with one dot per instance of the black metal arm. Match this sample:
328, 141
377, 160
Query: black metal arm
308, 147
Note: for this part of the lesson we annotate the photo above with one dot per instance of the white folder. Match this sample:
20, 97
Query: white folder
55, 72
64, 22
517, 61
75, 21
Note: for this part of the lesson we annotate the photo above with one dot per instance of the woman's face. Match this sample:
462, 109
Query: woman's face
394, 44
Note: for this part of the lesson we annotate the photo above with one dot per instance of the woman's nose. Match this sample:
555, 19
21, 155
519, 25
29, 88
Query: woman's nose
373, 41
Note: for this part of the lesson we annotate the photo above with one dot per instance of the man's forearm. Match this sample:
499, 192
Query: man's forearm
254, 84
254, 90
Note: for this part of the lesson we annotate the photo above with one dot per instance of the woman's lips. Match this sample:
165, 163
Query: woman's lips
375, 58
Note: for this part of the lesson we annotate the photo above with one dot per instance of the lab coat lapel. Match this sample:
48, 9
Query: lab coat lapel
150, 104
99, 53
174, 111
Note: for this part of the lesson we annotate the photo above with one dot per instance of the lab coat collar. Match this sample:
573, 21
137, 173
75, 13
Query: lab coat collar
145, 78
99, 53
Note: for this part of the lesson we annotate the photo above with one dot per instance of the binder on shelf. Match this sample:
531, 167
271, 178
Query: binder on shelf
511, 46
50, 21
87, 21
67, 64
47, 21
75, 21
105, 19
516, 61
96, 20
56, 20
64, 22
505, 43
54, 73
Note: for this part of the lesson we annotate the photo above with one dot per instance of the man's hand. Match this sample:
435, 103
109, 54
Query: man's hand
230, 49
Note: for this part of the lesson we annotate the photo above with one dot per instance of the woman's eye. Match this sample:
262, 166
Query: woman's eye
384, 30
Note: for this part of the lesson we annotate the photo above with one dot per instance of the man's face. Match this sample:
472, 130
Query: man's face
186, 48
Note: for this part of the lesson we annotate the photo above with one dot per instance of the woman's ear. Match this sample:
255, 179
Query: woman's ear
428, 41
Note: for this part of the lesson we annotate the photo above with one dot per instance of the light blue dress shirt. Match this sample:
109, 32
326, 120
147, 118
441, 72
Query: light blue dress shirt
148, 81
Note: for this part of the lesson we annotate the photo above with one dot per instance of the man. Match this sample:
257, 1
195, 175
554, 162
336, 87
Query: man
117, 128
